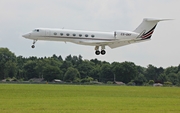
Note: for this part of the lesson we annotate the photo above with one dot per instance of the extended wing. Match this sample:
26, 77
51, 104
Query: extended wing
116, 44
112, 43
96, 42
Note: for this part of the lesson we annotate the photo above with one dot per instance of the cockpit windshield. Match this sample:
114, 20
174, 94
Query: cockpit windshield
36, 30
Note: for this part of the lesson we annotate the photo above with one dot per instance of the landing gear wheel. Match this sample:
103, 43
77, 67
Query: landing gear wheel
33, 46
97, 52
103, 52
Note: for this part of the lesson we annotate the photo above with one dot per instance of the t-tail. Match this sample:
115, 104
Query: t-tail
147, 27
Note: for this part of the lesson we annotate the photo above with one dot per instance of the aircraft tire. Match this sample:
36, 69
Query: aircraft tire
33, 46
97, 52
103, 52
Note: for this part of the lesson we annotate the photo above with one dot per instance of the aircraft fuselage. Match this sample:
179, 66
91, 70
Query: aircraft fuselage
79, 37
112, 39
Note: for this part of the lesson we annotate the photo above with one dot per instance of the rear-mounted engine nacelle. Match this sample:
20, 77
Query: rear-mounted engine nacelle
125, 35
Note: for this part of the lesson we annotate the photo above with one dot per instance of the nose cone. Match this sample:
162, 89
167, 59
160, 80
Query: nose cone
26, 35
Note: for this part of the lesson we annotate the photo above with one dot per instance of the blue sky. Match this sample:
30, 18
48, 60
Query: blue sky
21, 16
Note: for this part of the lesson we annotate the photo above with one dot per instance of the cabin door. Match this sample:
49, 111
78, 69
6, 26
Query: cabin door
115, 34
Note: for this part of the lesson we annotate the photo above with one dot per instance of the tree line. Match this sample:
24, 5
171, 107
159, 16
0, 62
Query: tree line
75, 69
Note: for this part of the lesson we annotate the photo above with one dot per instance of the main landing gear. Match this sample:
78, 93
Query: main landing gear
102, 52
33, 46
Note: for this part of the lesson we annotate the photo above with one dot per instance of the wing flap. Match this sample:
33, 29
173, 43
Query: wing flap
118, 44
94, 43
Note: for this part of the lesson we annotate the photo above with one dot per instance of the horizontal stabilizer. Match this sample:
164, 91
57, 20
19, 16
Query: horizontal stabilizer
155, 19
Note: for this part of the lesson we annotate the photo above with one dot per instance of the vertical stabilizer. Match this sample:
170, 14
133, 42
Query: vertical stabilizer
147, 27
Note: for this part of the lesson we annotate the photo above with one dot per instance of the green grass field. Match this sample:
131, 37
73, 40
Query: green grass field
36, 98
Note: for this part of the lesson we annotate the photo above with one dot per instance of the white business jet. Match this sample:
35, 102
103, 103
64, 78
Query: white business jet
94, 38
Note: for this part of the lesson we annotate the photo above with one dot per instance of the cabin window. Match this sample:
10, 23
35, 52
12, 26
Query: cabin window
74, 34
61, 34
67, 34
86, 35
80, 35
36, 30
92, 36
55, 33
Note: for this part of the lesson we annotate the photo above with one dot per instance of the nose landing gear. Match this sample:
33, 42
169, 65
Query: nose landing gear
33, 46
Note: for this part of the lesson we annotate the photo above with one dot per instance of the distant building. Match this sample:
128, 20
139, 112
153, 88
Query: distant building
57, 80
95, 82
157, 84
4, 80
119, 83
36, 80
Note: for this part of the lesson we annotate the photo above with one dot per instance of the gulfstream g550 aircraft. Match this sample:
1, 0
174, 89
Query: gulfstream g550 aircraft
94, 38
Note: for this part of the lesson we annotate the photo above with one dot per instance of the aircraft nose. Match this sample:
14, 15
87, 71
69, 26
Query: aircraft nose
26, 35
